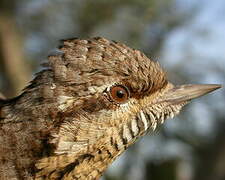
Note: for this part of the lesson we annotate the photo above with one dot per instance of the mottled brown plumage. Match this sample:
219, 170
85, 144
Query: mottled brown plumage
68, 124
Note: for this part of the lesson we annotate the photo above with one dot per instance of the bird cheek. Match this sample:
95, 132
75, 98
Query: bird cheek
96, 104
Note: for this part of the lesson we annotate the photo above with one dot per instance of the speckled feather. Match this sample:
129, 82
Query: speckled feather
63, 126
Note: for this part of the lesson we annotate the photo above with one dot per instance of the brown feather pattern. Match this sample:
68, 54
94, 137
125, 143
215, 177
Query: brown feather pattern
64, 126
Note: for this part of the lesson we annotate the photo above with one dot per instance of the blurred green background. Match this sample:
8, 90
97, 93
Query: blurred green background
187, 37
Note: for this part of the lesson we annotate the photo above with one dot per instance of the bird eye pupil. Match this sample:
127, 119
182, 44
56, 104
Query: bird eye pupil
120, 94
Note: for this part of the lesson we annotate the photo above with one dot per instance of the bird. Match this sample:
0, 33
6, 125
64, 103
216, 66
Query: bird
93, 99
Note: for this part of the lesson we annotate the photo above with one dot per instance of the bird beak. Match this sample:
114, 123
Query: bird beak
188, 92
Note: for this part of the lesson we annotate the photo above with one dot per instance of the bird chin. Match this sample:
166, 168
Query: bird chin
147, 119
158, 113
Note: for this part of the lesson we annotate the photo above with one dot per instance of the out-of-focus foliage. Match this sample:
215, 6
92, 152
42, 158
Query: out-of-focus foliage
186, 37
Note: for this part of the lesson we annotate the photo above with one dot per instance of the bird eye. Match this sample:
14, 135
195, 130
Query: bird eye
119, 93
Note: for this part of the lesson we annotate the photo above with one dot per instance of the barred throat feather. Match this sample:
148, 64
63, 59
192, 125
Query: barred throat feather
145, 121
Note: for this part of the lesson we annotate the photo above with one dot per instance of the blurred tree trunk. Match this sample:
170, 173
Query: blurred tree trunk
16, 70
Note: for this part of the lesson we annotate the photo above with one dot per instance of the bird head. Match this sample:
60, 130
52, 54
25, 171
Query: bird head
106, 96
